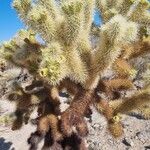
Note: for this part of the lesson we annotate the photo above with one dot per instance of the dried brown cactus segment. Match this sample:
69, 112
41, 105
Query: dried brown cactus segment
123, 69
43, 125
74, 142
116, 129
74, 114
54, 124
18, 122
136, 101
137, 49
104, 108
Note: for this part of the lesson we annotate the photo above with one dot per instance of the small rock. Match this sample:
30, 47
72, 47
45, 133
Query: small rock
128, 142
142, 136
96, 126
147, 147
111, 141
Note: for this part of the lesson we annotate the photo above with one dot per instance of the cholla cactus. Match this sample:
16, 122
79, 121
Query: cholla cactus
67, 59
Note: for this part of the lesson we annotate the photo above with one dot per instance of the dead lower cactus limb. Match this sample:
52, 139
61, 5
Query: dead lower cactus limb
28, 114
17, 124
112, 87
114, 125
74, 115
48, 124
48, 141
54, 126
39, 134
73, 142
104, 108
138, 100
71, 87
34, 140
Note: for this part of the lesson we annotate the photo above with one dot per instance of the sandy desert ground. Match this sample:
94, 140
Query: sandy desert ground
136, 137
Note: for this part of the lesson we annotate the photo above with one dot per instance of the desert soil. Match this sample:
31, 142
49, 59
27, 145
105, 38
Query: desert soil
136, 133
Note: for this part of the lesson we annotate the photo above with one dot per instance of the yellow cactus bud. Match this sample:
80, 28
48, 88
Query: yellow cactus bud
116, 119
44, 72
32, 38
132, 73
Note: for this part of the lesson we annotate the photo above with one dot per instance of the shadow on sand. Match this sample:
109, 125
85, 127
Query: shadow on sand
5, 145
